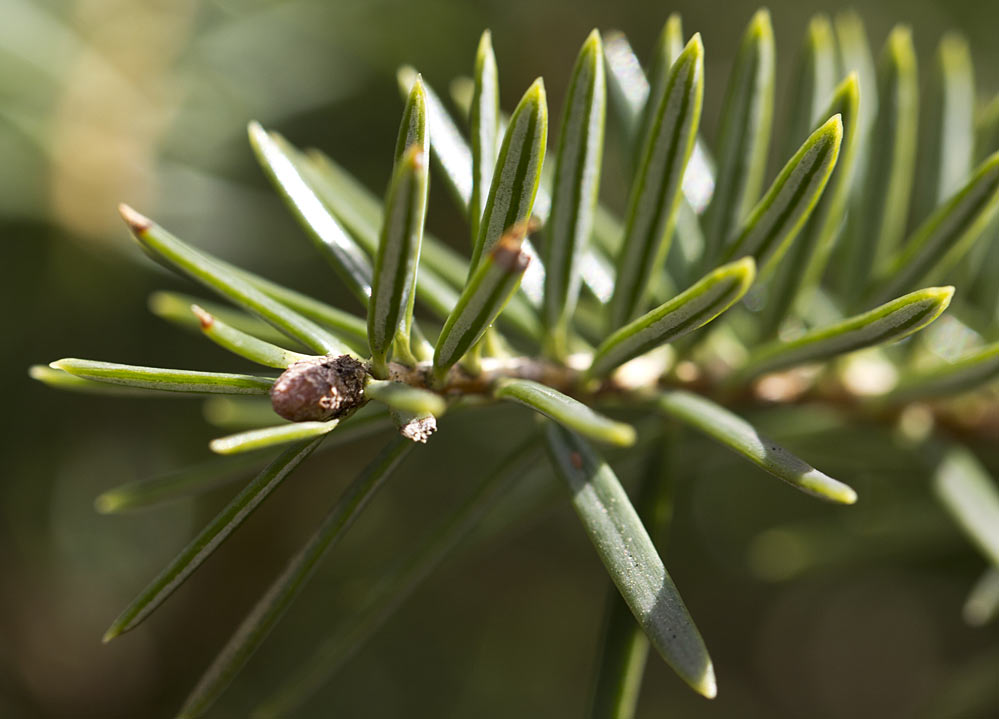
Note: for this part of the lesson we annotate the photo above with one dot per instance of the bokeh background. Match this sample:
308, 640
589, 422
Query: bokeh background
103, 101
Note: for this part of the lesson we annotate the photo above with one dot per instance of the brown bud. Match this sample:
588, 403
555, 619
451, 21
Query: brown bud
319, 389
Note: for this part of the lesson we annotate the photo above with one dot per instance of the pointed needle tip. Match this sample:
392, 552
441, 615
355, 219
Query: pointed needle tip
256, 131
708, 686
204, 317
942, 294
137, 222
760, 25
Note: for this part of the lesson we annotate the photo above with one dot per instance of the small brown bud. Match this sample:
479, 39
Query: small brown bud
319, 389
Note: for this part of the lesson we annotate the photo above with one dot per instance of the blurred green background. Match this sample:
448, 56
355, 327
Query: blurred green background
103, 101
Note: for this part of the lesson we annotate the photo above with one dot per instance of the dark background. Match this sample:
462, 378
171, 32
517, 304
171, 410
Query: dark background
103, 101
